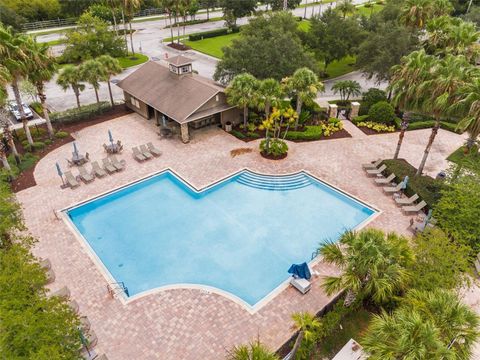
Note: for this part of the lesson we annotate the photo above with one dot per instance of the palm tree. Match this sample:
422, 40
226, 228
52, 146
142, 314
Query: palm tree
111, 67
241, 93
253, 351
345, 7
374, 265
70, 77
15, 61
168, 5
415, 13
469, 101
304, 86
269, 93
42, 68
92, 72
403, 84
347, 88
130, 7
308, 327
428, 325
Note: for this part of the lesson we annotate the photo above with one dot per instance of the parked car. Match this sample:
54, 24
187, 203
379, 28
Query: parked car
12, 106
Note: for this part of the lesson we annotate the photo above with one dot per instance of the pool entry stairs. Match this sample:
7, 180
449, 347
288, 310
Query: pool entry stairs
277, 183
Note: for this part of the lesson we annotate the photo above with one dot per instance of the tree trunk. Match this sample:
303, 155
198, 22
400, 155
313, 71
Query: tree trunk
399, 144
245, 117
296, 346
208, 14
125, 32
299, 110
171, 27
178, 28
110, 92
23, 117
267, 108
77, 96
114, 21
5, 163
96, 95
429, 146
46, 116
349, 298
131, 37
11, 143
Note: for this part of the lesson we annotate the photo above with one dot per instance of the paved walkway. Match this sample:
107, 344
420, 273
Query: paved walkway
192, 324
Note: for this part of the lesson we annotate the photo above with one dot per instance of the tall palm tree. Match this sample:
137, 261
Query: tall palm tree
42, 68
347, 88
308, 327
413, 69
304, 86
469, 101
345, 7
70, 77
241, 92
427, 325
111, 67
15, 60
415, 13
253, 351
269, 93
92, 72
374, 265
130, 7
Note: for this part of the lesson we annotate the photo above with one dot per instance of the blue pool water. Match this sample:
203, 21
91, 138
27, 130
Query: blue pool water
240, 236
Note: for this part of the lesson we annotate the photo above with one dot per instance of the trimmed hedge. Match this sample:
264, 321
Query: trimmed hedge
85, 112
212, 33
425, 186
430, 123
311, 133
358, 119
381, 112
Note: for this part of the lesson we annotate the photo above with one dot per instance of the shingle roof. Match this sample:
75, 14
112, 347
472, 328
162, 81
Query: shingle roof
179, 60
173, 95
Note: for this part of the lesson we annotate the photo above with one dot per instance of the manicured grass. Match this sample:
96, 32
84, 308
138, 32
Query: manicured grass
315, 3
212, 46
55, 42
353, 327
304, 25
341, 67
368, 11
128, 61
468, 160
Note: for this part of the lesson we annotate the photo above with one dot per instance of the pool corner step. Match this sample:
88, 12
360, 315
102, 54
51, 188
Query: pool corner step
273, 182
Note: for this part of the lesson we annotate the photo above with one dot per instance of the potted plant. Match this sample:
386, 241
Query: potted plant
228, 126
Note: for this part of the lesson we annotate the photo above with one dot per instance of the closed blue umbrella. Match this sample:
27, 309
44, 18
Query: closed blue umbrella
110, 136
59, 172
405, 182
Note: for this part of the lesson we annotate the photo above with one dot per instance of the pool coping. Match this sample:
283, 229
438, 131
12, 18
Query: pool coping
125, 300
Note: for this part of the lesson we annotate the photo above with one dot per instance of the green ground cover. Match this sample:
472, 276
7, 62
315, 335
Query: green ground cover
369, 10
467, 159
340, 67
212, 46
136, 59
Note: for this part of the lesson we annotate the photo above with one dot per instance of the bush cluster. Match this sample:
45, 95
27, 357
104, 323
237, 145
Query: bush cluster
381, 112
276, 147
315, 132
378, 127
213, 33
83, 113
371, 97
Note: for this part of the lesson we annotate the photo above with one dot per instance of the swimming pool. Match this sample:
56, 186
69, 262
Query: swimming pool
239, 235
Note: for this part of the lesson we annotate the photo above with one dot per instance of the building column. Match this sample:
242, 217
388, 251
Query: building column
332, 110
355, 109
184, 132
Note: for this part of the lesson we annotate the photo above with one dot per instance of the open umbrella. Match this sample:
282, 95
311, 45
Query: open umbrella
110, 137
59, 172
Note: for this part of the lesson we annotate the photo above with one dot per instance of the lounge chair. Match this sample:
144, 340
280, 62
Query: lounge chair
119, 165
373, 165
145, 152
387, 180
107, 165
91, 338
63, 292
302, 285
97, 170
45, 264
74, 306
84, 175
393, 189
50, 276
407, 201
138, 155
85, 323
153, 149
414, 208
375, 172
71, 180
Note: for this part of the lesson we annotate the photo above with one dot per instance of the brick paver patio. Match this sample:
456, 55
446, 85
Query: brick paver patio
194, 324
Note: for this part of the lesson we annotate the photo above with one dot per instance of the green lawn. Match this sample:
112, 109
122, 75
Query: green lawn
470, 160
128, 61
368, 11
212, 46
341, 67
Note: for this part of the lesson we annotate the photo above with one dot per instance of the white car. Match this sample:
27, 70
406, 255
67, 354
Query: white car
12, 106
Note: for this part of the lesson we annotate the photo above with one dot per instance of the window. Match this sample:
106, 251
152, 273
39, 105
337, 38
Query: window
135, 102
185, 69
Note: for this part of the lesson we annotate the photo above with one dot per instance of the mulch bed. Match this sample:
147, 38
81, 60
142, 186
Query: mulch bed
369, 131
26, 178
181, 47
273, 157
336, 135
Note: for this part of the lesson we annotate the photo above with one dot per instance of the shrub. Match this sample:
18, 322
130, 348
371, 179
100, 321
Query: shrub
48, 142
376, 126
85, 112
381, 112
37, 107
276, 147
357, 119
253, 135
371, 97
238, 134
428, 188
37, 133
313, 132
430, 123
213, 33
61, 134
37, 145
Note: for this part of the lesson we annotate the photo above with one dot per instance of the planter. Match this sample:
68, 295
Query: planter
228, 126
273, 157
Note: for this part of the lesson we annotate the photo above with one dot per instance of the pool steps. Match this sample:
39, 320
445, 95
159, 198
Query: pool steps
277, 183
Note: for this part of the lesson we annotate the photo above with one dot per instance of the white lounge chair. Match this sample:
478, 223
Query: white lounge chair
97, 170
393, 189
117, 164
63, 292
107, 165
302, 285
375, 172
406, 201
414, 208
138, 155
145, 152
373, 165
85, 175
71, 180
387, 180
153, 149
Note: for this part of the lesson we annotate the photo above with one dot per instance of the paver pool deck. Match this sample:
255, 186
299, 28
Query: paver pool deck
195, 324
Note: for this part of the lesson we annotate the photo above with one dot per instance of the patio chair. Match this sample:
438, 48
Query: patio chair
119, 165
91, 338
138, 155
153, 149
373, 165
302, 285
407, 201
74, 306
87, 156
85, 323
63, 292
70, 163
375, 172
393, 189
45, 264
84, 175
97, 170
414, 208
71, 180
50, 276
145, 152
105, 147
107, 165
387, 180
